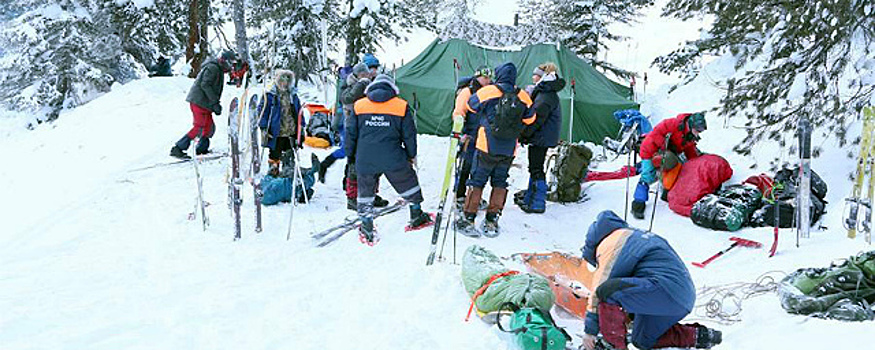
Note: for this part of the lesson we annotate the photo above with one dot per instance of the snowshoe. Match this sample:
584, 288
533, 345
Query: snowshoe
367, 233
490, 228
465, 226
519, 197
379, 202
178, 153
424, 220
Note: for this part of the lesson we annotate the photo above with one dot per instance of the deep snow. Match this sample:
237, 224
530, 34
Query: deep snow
96, 256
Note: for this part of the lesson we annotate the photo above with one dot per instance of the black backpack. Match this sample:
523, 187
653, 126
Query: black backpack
509, 114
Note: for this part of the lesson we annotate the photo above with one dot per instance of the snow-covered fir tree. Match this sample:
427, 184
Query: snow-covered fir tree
63, 53
796, 59
368, 22
582, 25
290, 33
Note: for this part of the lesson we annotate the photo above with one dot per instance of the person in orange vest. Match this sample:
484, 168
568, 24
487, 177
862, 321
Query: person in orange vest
503, 110
682, 133
468, 86
381, 140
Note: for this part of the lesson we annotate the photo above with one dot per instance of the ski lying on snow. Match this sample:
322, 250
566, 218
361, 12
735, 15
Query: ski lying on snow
330, 235
202, 158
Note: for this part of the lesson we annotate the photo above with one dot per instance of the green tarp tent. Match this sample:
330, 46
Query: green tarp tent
429, 80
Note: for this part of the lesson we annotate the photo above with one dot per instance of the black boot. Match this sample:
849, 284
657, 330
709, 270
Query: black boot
178, 153
707, 337
638, 209
379, 202
418, 217
323, 167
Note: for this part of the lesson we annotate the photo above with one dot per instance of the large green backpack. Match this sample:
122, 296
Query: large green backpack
569, 171
533, 330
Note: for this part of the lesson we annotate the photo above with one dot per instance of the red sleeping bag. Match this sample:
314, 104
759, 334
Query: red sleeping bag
700, 176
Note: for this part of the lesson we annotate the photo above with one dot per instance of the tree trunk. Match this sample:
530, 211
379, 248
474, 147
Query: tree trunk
353, 39
240, 31
197, 49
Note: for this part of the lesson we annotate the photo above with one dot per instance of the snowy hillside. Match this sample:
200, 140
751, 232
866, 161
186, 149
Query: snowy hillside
98, 254
101, 257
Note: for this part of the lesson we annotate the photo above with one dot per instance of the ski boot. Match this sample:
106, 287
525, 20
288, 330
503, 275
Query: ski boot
490, 228
707, 337
464, 224
367, 232
418, 219
176, 152
638, 209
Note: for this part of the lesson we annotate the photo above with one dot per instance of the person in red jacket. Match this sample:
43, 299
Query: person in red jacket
661, 149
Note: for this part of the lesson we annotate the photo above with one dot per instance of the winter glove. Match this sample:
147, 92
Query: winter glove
648, 172
217, 109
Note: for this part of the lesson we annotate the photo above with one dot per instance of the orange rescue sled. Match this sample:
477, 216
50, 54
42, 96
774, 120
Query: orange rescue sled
570, 278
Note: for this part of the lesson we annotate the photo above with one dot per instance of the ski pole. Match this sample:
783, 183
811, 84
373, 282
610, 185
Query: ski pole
737, 241
571, 114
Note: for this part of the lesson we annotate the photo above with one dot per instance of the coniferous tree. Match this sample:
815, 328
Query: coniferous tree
582, 25
366, 23
63, 53
811, 59
295, 34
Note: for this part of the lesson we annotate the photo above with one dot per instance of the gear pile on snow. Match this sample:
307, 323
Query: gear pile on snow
483, 269
728, 210
843, 291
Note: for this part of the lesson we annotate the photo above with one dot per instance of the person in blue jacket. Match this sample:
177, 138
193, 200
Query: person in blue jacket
542, 135
639, 274
494, 154
381, 140
282, 128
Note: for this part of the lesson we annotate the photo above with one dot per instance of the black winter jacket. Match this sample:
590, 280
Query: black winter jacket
544, 132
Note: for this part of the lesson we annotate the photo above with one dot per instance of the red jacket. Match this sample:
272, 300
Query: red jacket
655, 140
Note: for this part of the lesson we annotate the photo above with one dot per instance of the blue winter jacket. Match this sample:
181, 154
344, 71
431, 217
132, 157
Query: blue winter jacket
544, 132
620, 251
271, 114
483, 104
381, 135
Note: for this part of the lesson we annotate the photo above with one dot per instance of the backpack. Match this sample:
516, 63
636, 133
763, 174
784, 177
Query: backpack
534, 330
319, 125
569, 171
509, 114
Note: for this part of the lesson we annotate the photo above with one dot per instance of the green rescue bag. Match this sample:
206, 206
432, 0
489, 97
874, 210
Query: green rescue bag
534, 330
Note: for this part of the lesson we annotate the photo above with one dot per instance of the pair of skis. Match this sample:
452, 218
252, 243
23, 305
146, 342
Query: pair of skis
235, 184
330, 235
865, 167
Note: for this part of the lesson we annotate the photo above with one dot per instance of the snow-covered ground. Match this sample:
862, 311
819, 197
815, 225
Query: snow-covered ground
96, 255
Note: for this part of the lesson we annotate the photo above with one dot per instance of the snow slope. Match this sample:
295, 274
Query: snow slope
96, 255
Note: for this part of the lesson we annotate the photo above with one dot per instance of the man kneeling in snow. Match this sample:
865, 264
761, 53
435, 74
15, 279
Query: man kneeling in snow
640, 274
